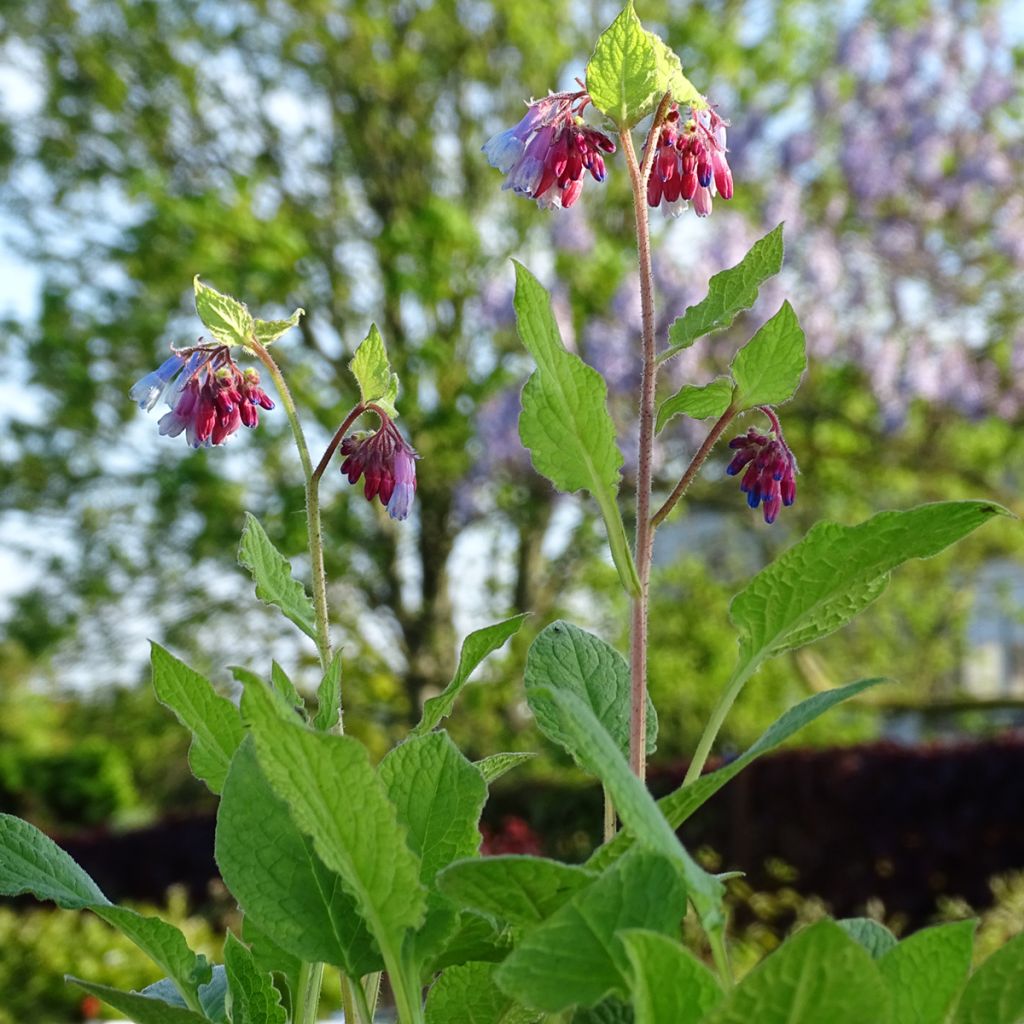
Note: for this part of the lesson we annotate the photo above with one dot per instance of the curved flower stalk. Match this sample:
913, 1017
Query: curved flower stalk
548, 152
210, 397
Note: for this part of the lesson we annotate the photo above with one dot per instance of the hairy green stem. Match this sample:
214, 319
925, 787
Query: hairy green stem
638, 175
609, 816
307, 996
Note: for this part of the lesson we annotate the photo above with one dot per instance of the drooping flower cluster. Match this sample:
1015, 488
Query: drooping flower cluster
387, 464
209, 396
770, 477
689, 162
546, 155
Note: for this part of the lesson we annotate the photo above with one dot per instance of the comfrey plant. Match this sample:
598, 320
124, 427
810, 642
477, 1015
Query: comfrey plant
374, 870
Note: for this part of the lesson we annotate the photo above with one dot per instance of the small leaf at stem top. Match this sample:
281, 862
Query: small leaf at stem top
372, 370
698, 402
227, 319
767, 370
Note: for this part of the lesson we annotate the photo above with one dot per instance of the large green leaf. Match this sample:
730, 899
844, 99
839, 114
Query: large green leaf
926, 972
468, 995
995, 993
565, 420
819, 976
836, 571
680, 804
272, 574
336, 798
874, 937
165, 946
595, 749
729, 292
476, 647
575, 957
670, 985
372, 370
767, 370
212, 719
565, 657
32, 862
514, 888
699, 403
140, 1008
439, 796
227, 319
285, 889
252, 996
631, 69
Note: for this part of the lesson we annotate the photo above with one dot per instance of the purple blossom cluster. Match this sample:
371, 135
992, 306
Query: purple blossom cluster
386, 463
209, 396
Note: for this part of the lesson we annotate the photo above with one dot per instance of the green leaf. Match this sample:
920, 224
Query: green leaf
995, 993
836, 571
767, 370
284, 686
328, 697
227, 319
575, 957
285, 889
211, 995
477, 646
32, 862
475, 939
516, 889
874, 937
439, 796
565, 420
729, 292
272, 574
165, 946
372, 371
926, 972
631, 69
468, 995
594, 748
670, 985
493, 767
212, 719
818, 975
679, 805
268, 331
699, 403
252, 996
270, 956
140, 1008
285, 708
611, 1011
565, 657
336, 798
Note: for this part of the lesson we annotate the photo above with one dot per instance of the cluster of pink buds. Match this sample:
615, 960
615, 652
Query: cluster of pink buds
386, 462
689, 162
209, 396
545, 156
770, 468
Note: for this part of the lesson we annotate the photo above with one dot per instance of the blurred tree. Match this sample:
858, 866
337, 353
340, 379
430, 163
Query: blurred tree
327, 155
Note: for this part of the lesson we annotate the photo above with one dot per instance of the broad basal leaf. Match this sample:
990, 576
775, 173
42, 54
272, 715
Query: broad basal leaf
565, 657
729, 292
475, 648
273, 576
565, 420
575, 957
280, 882
995, 993
819, 976
513, 888
926, 972
468, 995
670, 985
31, 862
336, 798
212, 719
767, 370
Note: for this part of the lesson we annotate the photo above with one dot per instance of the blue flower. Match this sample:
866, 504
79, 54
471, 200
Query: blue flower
148, 390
